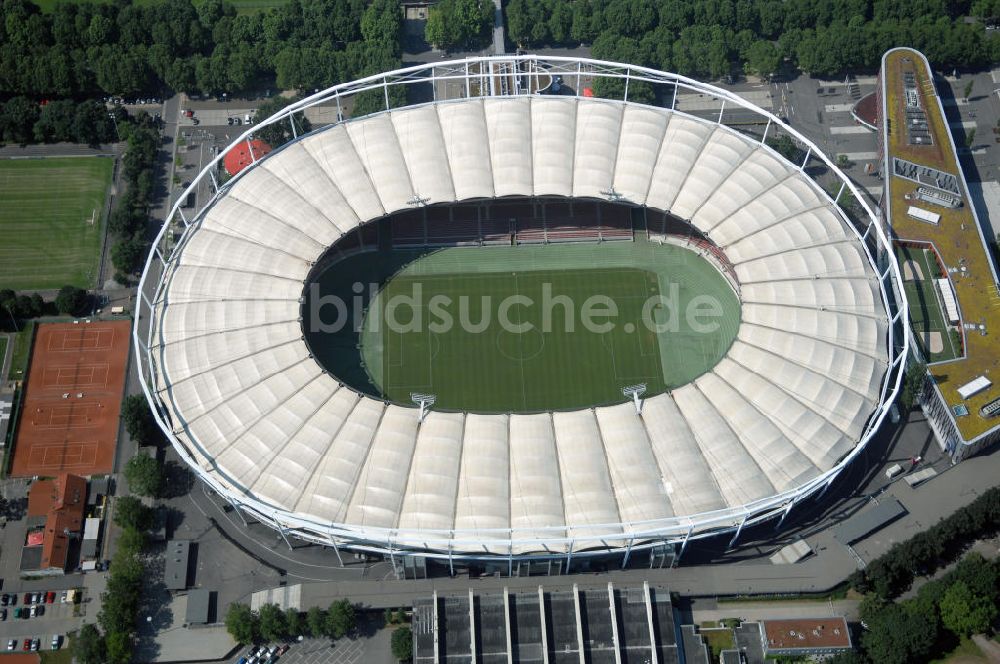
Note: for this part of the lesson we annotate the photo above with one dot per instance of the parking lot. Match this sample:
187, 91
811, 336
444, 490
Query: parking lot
369, 649
55, 618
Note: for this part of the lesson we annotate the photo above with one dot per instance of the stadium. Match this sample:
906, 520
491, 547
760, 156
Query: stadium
497, 178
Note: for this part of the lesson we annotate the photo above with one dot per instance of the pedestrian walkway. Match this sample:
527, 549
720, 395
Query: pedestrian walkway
832, 564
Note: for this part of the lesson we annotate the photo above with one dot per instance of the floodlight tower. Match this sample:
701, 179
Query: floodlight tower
635, 391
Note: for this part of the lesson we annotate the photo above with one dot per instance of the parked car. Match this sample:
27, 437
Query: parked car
283, 649
36, 598
35, 645
50, 597
242, 660
56, 641
4, 599
40, 610
3, 614
27, 645
27, 598
11, 644
65, 597
34, 611
17, 613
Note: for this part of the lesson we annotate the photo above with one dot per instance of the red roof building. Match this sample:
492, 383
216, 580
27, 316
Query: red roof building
800, 637
61, 502
243, 154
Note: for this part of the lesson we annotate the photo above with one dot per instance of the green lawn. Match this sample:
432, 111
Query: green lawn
21, 352
62, 656
545, 357
718, 640
51, 221
966, 652
926, 310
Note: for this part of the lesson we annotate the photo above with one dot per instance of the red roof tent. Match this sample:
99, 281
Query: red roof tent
239, 156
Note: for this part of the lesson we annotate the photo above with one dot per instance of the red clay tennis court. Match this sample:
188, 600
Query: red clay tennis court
69, 421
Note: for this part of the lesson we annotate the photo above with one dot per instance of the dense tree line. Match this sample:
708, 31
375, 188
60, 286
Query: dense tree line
960, 603
714, 38
128, 219
19, 308
85, 49
270, 623
138, 420
893, 573
460, 23
23, 121
120, 602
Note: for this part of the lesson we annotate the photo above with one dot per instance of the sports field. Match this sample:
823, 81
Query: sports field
528, 328
927, 318
51, 221
69, 421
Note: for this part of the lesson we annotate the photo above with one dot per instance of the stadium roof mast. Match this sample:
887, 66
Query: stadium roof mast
425, 401
635, 391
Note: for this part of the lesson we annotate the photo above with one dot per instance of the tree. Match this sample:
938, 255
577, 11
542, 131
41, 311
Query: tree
144, 475
127, 255
279, 133
340, 619
71, 300
786, 147
968, 88
119, 644
913, 384
138, 420
459, 23
763, 58
898, 636
382, 23
241, 623
965, 613
131, 513
271, 619
316, 621
970, 138
87, 646
402, 643
17, 120
294, 623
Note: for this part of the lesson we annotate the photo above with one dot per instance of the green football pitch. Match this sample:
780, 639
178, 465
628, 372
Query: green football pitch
531, 328
51, 221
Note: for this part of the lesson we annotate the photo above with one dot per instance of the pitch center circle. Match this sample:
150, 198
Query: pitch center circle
520, 346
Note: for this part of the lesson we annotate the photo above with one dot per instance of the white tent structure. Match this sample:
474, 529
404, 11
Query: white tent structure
809, 379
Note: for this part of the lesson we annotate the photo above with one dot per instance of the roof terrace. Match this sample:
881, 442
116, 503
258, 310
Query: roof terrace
957, 237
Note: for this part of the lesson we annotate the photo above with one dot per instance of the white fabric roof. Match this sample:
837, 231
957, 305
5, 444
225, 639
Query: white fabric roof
787, 402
